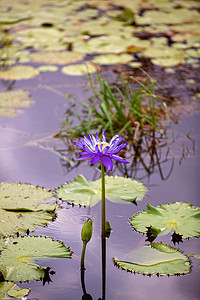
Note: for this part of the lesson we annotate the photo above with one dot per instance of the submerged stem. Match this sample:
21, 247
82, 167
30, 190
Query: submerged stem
103, 205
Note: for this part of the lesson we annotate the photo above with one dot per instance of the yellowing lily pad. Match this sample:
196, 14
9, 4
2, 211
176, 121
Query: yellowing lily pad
38, 38
19, 73
48, 68
110, 59
79, 69
135, 64
167, 62
56, 57
174, 16
10, 100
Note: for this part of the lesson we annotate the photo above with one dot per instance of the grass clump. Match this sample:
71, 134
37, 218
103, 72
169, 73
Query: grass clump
128, 107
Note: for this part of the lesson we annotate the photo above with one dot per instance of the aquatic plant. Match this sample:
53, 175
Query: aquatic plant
127, 106
98, 150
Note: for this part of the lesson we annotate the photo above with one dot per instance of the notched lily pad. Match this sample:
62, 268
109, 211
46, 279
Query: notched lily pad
19, 73
22, 207
157, 259
180, 218
88, 193
18, 255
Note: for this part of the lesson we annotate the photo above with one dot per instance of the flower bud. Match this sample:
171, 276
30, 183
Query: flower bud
86, 232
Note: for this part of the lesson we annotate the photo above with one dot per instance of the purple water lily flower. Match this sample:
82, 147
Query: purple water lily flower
98, 150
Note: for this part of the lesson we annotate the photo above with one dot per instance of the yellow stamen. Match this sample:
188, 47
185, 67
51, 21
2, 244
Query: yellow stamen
102, 143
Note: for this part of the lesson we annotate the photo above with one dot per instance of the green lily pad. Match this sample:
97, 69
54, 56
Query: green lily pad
22, 207
12, 99
179, 217
79, 69
88, 193
49, 68
38, 38
156, 259
8, 289
19, 73
18, 293
135, 64
174, 16
56, 57
168, 62
18, 255
110, 59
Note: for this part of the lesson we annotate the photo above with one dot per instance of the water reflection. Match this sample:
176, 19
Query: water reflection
147, 155
87, 296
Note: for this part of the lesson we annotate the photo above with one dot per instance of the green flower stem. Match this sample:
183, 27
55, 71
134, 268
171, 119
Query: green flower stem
83, 255
103, 203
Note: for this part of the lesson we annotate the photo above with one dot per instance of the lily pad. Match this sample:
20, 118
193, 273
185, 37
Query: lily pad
56, 57
8, 289
174, 16
38, 38
19, 72
79, 69
110, 59
18, 255
179, 217
88, 193
18, 293
49, 68
12, 99
22, 207
156, 259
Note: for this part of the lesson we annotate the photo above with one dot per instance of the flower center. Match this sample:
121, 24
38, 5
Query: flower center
102, 143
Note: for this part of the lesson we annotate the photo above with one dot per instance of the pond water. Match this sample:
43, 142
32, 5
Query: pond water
42, 47
30, 154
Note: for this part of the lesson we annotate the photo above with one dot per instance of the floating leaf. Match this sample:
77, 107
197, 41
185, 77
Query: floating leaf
21, 208
18, 255
49, 68
79, 69
18, 293
174, 16
135, 64
19, 73
38, 38
179, 217
10, 289
156, 259
88, 193
12, 99
168, 61
56, 57
110, 59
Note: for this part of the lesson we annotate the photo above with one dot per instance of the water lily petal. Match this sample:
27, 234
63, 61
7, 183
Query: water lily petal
118, 158
107, 162
95, 159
